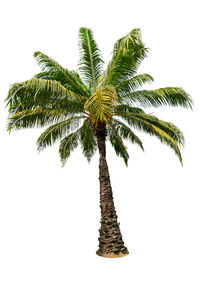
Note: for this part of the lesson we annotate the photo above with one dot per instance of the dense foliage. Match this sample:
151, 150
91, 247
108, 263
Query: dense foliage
73, 103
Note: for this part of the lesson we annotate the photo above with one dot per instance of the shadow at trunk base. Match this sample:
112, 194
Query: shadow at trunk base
112, 254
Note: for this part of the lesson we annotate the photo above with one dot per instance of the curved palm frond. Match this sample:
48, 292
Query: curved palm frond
39, 93
57, 131
88, 140
171, 96
68, 144
100, 105
172, 130
91, 63
129, 86
37, 117
126, 133
57, 72
117, 143
128, 53
162, 130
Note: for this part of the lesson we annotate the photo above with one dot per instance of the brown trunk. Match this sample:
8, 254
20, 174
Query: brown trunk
110, 240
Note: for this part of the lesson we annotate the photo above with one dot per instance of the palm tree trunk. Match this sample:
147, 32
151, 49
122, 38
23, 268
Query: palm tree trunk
110, 240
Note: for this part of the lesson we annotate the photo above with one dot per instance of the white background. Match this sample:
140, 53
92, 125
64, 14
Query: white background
49, 216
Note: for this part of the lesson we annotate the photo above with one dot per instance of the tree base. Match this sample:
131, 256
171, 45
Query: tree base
112, 254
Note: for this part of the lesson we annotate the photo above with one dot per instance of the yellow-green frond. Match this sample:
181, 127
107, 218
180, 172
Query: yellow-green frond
101, 104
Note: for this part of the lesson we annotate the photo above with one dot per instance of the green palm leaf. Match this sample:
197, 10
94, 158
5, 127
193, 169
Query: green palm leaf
117, 143
68, 144
126, 133
52, 69
52, 75
57, 131
164, 133
128, 53
91, 63
129, 86
120, 108
171, 96
42, 93
88, 140
37, 117
172, 130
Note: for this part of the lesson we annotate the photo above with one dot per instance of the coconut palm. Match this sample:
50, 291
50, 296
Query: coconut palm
92, 105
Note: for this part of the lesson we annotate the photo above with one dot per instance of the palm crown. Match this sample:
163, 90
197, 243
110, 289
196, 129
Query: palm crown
77, 103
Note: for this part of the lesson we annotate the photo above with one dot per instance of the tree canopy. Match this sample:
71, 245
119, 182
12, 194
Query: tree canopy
72, 103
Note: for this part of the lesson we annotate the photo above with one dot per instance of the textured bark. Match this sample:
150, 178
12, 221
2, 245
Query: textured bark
110, 239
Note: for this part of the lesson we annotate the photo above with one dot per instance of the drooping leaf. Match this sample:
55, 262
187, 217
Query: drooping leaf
68, 144
165, 134
88, 140
126, 133
57, 131
117, 143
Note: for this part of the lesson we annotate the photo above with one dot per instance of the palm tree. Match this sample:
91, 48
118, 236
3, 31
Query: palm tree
91, 105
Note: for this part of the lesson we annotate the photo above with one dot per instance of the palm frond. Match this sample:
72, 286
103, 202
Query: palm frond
35, 93
117, 143
171, 96
57, 131
78, 79
68, 144
52, 75
63, 75
166, 134
129, 86
127, 55
173, 131
120, 108
100, 105
37, 117
88, 140
126, 133
91, 63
